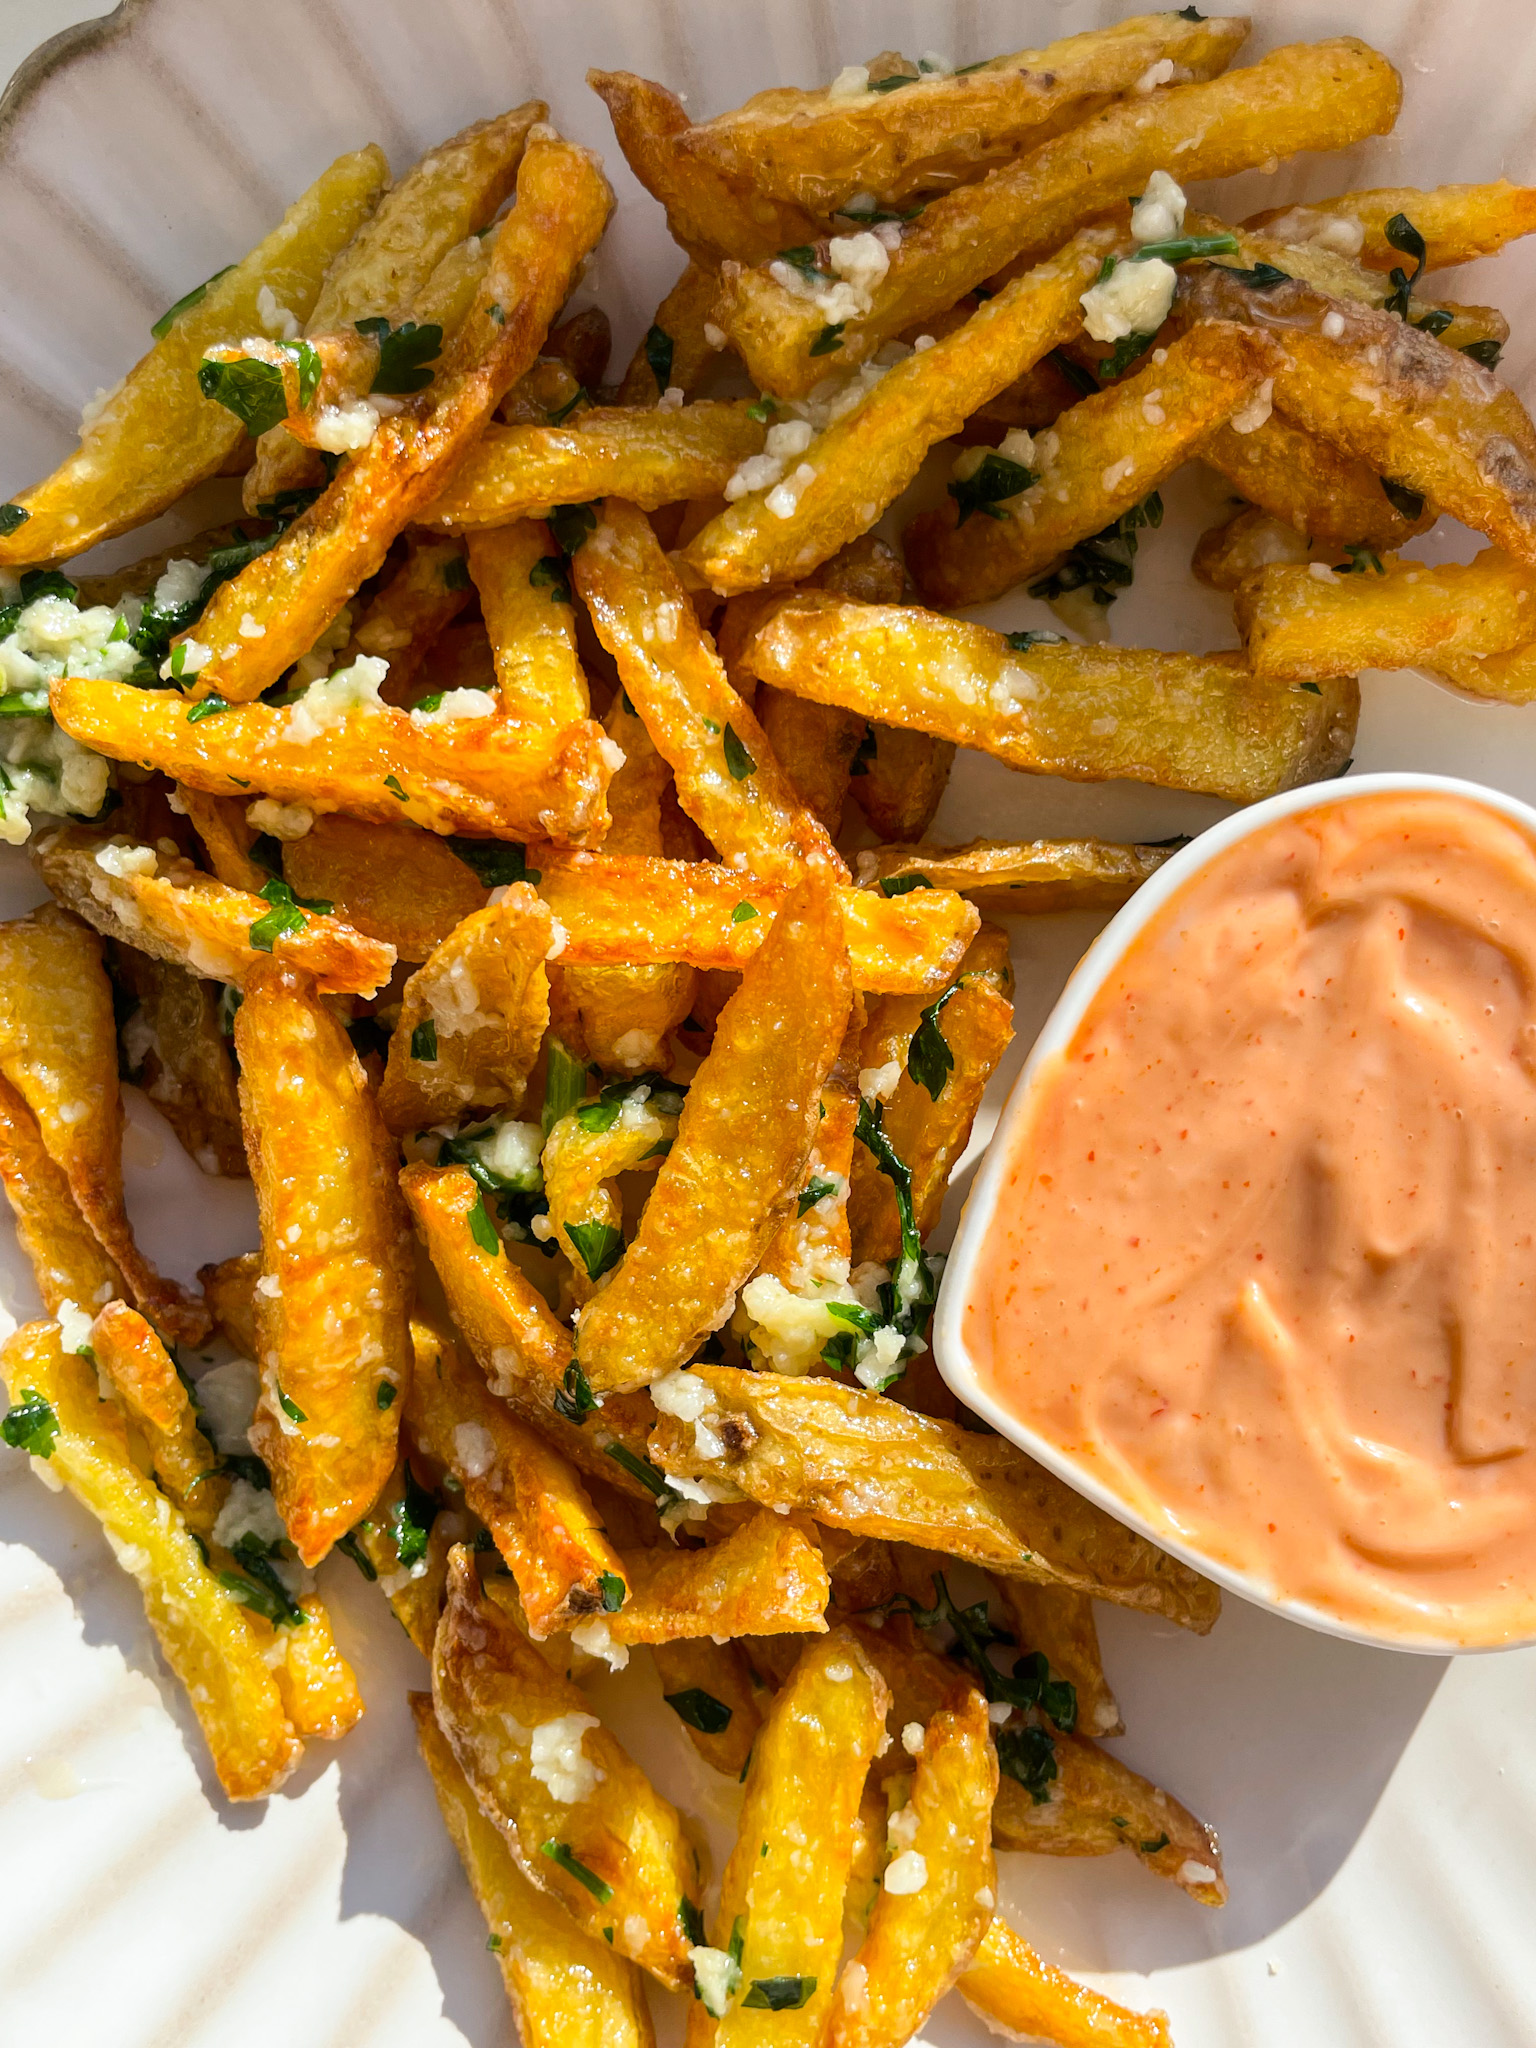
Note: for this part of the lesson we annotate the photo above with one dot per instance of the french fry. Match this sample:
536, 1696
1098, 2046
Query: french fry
296, 588
1034, 879
156, 435
1018, 1994
899, 778
331, 1300
727, 778
401, 622
227, 837
405, 888
139, 1367
1424, 415
475, 775
709, 1686
167, 909
1458, 222
860, 464
706, 217
1295, 622
780, 1917
472, 1019
1505, 678
970, 1030
615, 908
521, 583
1158, 418
647, 458
1252, 540
739, 1159
583, 344
813, 1243
1323, 95
1060, 1625
766, 1578
387, 1537
1090, 714
676, 340
183, 1065
316, 1684
200, 1626
862, 1462
935, 1902
581, 1169
229, 1288
58, 1050
1327, 495
528, 1497
615, 1856
67, 1261
567, 1988
817, 149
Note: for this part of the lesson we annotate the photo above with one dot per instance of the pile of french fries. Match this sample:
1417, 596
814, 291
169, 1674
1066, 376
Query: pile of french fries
460, 843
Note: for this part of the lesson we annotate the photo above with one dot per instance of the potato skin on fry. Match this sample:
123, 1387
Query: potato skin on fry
1033, 879
332, 1298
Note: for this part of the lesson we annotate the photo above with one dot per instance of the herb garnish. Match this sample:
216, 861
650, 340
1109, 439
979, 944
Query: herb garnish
737, 759
1105, 561
560, 1854
995, 478
599, 1246
286, 915
404, 353
782, 1994
494, 862
424, 1040
573, 1399
658, 354
830, 338
30, 1424
700, 1710
929, 1059
195, 297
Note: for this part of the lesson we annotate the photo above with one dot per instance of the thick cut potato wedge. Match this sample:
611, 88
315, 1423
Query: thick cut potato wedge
859, 465
1100, 459
1421, 413
710, 1687
296, 588
168, 909
567, 1988
616, 908
1323, 95
1060, 1625
739, 1159
817, 149
477, 775
728, 780
405, 888
1458, 222
766, 1578
780, 1916
180, 1058
1041, 876
587, 1828
1332, 498
473, 1018
332, 1297
675, 341
411, 608
535, 1507
68, 1262
1021, 1996
532, 628
200, 1627
935, 1903
1091, 714
647, 458
58, 1050
865, 1463
1299, 623
157, 435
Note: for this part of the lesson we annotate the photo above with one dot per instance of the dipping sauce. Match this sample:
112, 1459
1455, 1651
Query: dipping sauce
1265, 1255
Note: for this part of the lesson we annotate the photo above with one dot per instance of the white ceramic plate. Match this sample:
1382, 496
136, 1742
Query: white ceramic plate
1377, 1811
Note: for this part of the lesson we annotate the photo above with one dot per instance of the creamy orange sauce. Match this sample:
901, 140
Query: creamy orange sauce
1264, 1261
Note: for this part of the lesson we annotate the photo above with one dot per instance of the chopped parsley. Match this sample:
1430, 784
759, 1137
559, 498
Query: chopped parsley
995, 478
1105, 561
829, 339
1404, 236
762, 410
286, 915
1485, 352
613, 1589
1187, 248
30, 1425
569, 525
599, 1246
1151, 1848
559, 1854
12, 516
455, 573
410, 1519
1361, 558
638, 1468
385, 1395
561, 413
424, 1040
1402, 499
495, 315
349, 1546
1192, 14
903, 885
929, 1059
573, 1398
739, 762
549, 572
494, 862
813, 1192
290, 1407
195, 297
404, 353
691, 1920
260, 1586
804, 260
743, 913
493, 1943
975, 1633
254, 392
565, 1083
781, 1994
1083, 382
1028, 1755
207, 707
907, 1298
700, 1709
481, 1227
658, 354
1262, 278
393, 785
1022, 642
1130, 348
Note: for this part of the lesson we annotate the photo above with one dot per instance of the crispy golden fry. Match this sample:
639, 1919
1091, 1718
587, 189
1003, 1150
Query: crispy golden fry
1061, 1626
813, 1243
818, 149
815, 745
608, 1847
464, 774
899, 779
581, 1169
526, 1494
929, 1132
727, 778
425, 594
406, 888
200, 1626
1019, 1994
1095, 1804
331, 1302
708, 1685
472, 1019
1505, 678
227, 837
622, 908
315, 1683
706, 217
521, 583
229, 1288
766, 1578
1329, 496
58, 1050
1031, 880
1458, 222
1102, 457
67, 1261
157, 435
1300, 624
780, 1916
920, 1940
167, 908
1420, 413
583, 344
1227, 555
140, 1368
567, 1988
860, 464
1322, 95
687, 357
180, 1058
865, 1463
739, 1159
1091, 714
296, 588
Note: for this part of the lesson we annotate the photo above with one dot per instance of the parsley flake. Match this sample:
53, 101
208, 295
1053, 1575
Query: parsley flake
560, 1854
30, 1425
700, 1709
599, 1246
658, 354
995, 478
424, 1040
737, 759
195, 297
404, 353
829, 339
929, 1059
